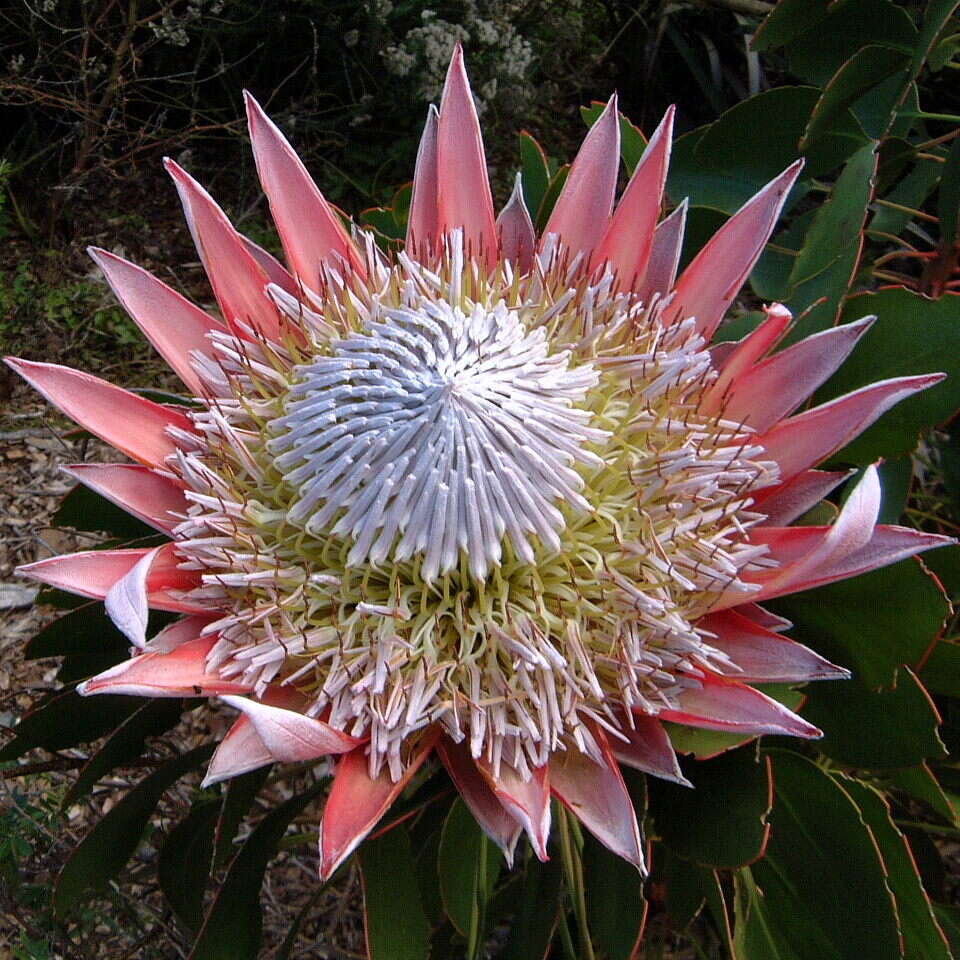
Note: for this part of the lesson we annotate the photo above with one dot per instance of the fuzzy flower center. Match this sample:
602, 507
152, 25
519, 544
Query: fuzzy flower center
488, 502
437, 432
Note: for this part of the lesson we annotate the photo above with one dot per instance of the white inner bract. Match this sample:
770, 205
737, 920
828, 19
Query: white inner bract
443, 429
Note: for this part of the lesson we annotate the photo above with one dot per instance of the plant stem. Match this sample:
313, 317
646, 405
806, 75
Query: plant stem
573, 868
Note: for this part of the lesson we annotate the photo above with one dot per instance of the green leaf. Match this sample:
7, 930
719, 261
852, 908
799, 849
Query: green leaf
940, 672
870, 728
938, 12
686, 887
550, 198
67, 720
238, 797
103, 852
702, 223
535, 172
820, 51
125, 744
711, 167
820, 892
948, 916
858, 76
616, 909
912, 335
831, 249
468, 866
849, 622
722, 822
632, 140
183, 867
948, 199
921, 784
922, 937
83, 509
233, 925
538, 903
788, 20
396, 924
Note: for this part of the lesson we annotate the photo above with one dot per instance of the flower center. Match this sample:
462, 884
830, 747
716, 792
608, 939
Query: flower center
436, 432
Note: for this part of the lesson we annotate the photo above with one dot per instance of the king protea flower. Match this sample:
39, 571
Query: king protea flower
494, 499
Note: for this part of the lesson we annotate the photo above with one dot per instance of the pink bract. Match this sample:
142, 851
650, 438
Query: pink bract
494, 499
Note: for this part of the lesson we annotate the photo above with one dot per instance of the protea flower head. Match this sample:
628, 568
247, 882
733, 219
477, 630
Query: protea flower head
493, 498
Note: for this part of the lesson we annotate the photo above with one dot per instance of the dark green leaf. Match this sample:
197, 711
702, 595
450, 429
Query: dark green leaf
550, 197
870, 728
83, 509
921, 784
831, 249
538, 903
536, 173
948, 916
944, 564
702, 223
239, 794
896, 477
770, 278
67, 720
910, 193
788, 20
820, 891
396, 924
948, 200
849, 622
232, 927
722, 822
183, 867
103, 852
711, 166
616, 909
125, 744
937, 13
860, 74
468, 865
940, 672
820, 51
922, 937
912, 335
686, 887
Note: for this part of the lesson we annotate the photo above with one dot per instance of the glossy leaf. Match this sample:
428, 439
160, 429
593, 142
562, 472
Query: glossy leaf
820, 892
103, 852
232, 927
468, 866
67, 720
849, 622
183, 867
722, 822
125, 744
860, 74
394, 919
616, 908
535, 172
537, 906
831, 248
922, 937
871, 728
912, 333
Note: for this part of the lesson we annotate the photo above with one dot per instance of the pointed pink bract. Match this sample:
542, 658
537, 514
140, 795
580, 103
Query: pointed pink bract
310, 231
423, 223
134, 425
463, 190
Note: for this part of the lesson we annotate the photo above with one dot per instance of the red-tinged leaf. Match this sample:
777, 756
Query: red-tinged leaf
876, 729
394, 920
103, 852
923, 939
722, 822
